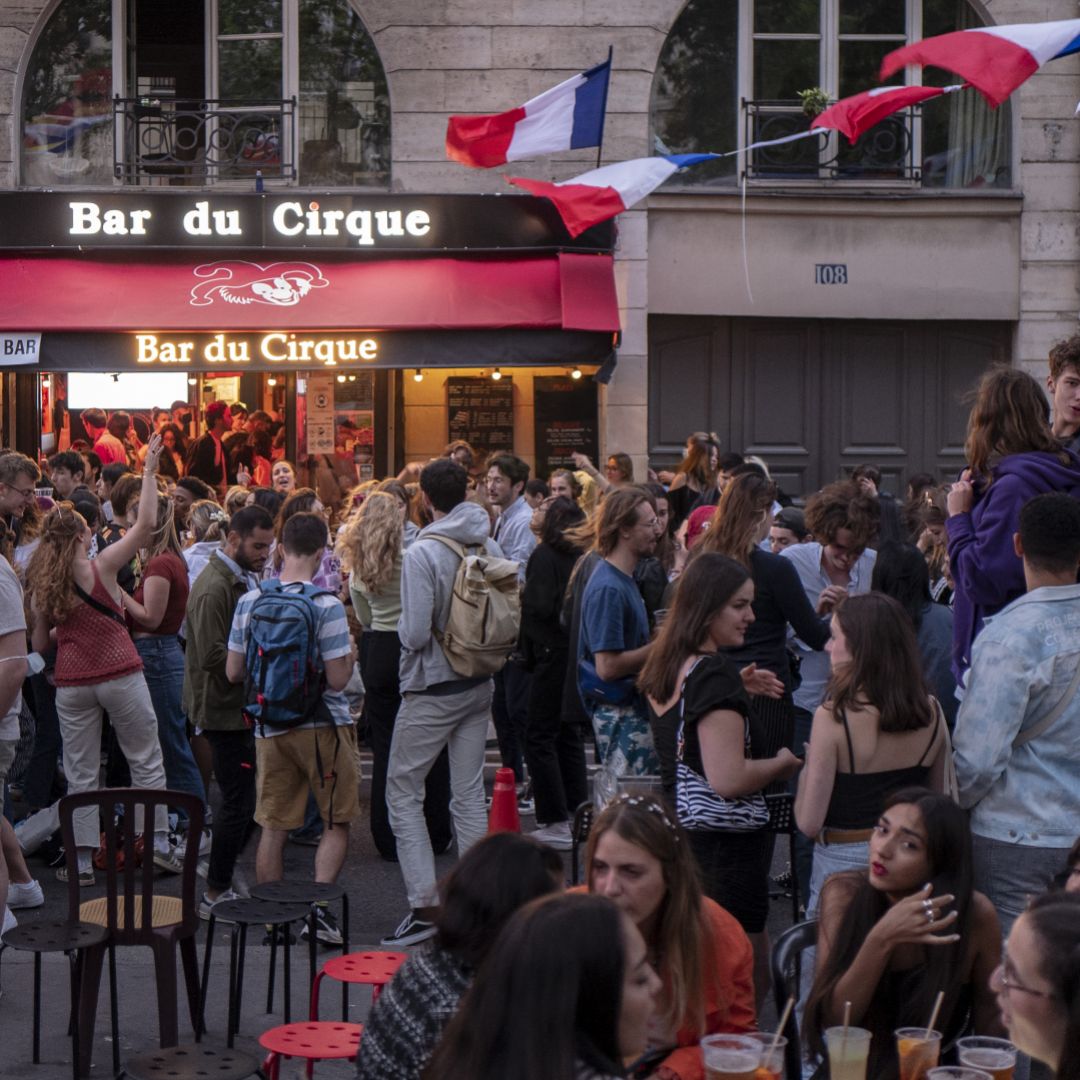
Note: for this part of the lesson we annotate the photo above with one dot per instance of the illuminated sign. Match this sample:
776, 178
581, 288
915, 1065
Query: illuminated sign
278, 347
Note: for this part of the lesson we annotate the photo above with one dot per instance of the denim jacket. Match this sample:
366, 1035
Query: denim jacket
1022, 664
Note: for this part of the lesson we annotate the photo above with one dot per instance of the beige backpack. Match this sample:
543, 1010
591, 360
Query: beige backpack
485, 612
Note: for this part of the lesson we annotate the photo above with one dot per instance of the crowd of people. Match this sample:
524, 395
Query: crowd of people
687, 652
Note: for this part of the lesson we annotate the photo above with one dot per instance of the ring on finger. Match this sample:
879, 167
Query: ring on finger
929, 914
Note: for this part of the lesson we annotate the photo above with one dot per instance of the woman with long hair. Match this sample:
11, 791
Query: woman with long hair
156, 613
894, 935
639, 857
97, 665
283, 477
566, 994
1038, 983
878, 730
554, 750
564, 483
695, 475
303, 501
1012, 456
493, 880
370, 548
700, 716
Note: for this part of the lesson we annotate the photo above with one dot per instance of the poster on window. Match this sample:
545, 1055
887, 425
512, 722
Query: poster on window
565, 421
320, 414
482, 413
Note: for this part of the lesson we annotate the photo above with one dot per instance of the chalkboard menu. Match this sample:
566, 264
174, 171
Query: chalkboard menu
565, 417
482, 413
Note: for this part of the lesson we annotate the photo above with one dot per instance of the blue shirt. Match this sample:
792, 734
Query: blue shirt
514, 535
613, 617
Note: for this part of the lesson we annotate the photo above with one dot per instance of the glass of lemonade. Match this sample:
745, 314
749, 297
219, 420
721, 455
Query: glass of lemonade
994, 1056
771, 1065
731, 1057
848, 1050
918, 1050
957, 1072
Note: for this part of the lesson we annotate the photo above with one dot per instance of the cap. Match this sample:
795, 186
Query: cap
697, 523
791, 517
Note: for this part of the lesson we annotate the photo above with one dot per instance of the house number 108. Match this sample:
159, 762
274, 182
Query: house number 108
830, 274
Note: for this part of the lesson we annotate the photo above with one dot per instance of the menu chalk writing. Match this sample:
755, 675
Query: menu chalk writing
481, 412
565, 419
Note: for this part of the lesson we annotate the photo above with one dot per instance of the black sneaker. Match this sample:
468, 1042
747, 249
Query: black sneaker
326, 927
411, 931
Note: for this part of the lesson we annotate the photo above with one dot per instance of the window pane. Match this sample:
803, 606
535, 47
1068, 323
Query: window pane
787, 17
67, 129
694, 93
250, 69
872, 16
248, 16
783, 68
344, 110
860, 62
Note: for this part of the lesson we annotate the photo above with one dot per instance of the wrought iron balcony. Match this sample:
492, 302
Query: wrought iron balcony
886, 152
182, 141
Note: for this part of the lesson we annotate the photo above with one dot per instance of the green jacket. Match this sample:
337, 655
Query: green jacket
210, 700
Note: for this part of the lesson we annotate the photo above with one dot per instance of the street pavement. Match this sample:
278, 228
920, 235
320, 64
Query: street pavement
377, 903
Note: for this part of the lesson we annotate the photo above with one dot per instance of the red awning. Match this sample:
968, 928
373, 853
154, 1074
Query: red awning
563, 291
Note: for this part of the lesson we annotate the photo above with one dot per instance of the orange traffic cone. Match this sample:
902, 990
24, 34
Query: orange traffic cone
504, 810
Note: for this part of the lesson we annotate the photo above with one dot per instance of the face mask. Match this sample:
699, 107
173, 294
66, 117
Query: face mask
185, 418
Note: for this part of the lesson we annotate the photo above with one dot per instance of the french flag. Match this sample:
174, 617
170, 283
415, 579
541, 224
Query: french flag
854, 116
595, 196
994, 59
569, 116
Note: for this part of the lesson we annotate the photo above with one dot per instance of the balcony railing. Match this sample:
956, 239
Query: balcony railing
885, 153
183, 141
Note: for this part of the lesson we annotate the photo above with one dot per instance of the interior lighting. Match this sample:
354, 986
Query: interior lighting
576, 373
418, 375
341, 378
271, 381
496, 375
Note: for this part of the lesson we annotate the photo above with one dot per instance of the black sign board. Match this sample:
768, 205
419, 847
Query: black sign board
366, 225
482, 413
565, 421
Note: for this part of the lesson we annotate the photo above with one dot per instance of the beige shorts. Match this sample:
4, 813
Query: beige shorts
286, 770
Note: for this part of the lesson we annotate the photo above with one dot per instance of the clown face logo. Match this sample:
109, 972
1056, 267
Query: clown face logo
282, 284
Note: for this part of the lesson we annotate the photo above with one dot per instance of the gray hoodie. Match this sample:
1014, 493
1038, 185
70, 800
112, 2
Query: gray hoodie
427, 578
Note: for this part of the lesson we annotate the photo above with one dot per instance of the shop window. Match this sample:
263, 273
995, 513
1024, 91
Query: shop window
703, 99
282, 90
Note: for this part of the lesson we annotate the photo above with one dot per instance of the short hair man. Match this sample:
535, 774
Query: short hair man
890, 525
211, 701
67, 470
106, 445
1017, 738
1063, 383
19, 476
788, 527
207, 460
614, 634
318, 756
438, 708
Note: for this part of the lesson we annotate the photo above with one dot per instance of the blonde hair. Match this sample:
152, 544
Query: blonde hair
50, 575
370, 546
235, 498
164, 538
207, 521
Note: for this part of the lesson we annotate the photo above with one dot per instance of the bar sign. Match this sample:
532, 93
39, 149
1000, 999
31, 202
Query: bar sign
19, 349
830, 274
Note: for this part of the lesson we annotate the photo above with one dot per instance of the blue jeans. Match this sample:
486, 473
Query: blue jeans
163, 669
1010, 874
831, 859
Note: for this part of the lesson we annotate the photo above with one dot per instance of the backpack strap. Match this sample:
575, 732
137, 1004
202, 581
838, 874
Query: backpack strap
458, 549
1037, 729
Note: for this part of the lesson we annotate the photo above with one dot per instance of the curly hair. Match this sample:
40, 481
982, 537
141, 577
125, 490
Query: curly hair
50, 574
370, 546
843, 505
1065, 354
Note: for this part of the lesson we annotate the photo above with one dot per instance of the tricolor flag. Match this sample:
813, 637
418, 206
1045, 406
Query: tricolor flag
994, 59
595, 196
569, 116
854, 116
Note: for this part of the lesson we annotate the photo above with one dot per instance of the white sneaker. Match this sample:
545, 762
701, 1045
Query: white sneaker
206, 905
25, 894
556, 835
10, 922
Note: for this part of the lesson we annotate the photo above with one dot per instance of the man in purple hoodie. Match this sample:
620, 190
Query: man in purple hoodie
1012, 456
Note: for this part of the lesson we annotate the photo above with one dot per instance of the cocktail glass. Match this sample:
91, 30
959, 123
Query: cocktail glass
918, 1049
848, 1050
994, 1056
731, 1057
771, 1065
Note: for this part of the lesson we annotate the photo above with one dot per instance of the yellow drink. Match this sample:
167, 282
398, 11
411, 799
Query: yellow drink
918, 1050
998, 1062
731, 1057
848, 1050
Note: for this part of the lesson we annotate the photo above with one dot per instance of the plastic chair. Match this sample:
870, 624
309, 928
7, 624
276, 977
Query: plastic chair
786, 969
131, 911
374, 969
315, 1040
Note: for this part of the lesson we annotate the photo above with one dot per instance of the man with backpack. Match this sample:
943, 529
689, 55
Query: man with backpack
445, 678
290, 646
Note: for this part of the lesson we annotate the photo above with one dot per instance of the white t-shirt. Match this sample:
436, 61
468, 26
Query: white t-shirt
12, 619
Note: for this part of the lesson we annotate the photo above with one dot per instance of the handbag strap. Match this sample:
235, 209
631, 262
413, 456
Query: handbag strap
1037, 729
97, 605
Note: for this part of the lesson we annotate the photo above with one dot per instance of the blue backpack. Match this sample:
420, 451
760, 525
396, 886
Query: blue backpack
285, 677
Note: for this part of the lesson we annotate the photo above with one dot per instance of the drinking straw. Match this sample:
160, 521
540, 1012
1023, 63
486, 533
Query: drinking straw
843, 1038
780, 1026
937, 1008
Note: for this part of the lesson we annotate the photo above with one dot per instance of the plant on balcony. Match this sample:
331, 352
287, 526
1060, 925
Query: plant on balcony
814, 101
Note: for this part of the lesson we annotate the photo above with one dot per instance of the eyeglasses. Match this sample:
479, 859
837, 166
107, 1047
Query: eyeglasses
26, 493
1009, 981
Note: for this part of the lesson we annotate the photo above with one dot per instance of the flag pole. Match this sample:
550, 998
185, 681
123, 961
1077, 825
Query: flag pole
603, 111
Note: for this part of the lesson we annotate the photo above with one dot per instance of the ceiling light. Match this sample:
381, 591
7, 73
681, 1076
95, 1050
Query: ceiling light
418, 375
271, 381
496, 375
341, 378
576, 373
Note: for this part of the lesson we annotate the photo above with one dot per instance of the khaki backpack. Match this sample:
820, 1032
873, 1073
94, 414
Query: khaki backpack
485, 612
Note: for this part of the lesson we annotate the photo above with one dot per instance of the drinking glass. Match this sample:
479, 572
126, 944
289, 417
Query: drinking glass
771, 1065
848, 1050
731, 1057
956, 1072
918, 1049
994, 1056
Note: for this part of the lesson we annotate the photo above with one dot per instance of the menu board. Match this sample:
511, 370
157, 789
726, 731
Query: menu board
481, 412
565, 419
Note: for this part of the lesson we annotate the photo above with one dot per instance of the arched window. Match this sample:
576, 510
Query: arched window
210, 92
704, 99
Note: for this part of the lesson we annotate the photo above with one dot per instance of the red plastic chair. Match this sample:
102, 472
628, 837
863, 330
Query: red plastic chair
374, 969
314, 1040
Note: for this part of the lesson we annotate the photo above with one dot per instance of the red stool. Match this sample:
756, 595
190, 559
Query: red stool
314, 1041
374, 969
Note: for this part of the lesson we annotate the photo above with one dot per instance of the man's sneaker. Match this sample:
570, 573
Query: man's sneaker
26, 894
86, 877
526, 804
180, 841
556, 835
326, 927
206, 905
10, 922
170, 859
411, 931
